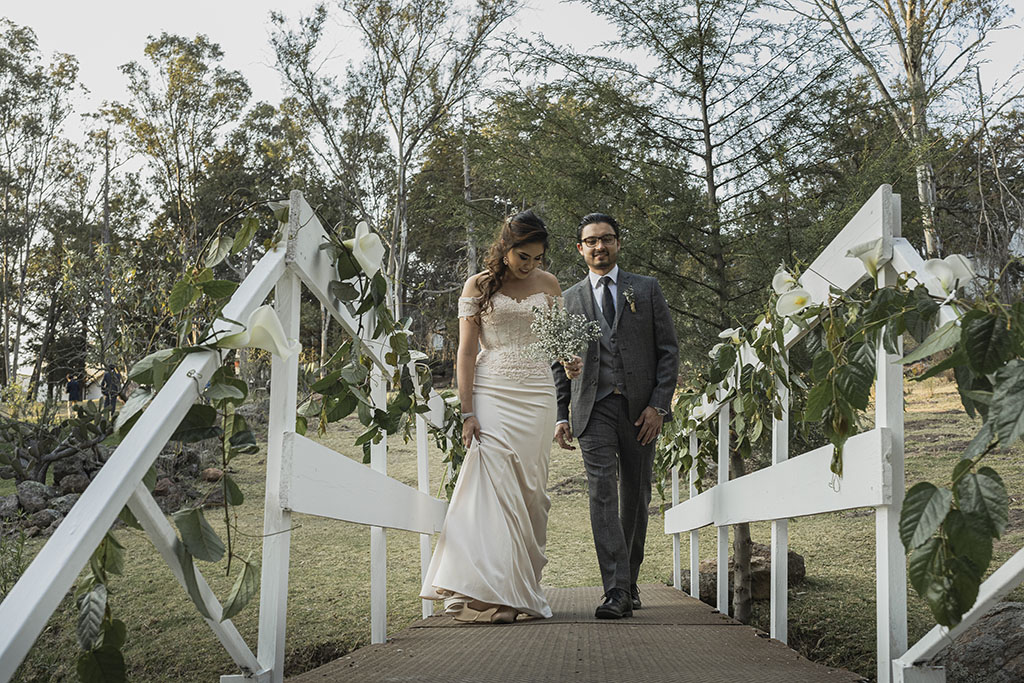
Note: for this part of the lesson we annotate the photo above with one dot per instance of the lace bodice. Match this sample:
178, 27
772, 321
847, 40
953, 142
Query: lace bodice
505, 335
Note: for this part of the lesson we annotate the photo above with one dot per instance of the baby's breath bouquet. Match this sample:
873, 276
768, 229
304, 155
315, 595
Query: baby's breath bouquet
561, 334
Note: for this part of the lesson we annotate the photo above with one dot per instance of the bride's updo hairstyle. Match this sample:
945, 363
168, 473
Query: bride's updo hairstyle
525, 227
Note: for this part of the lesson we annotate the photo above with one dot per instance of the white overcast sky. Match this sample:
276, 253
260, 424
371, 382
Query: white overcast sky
103, 34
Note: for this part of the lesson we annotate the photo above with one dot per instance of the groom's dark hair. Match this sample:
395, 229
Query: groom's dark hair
596, 218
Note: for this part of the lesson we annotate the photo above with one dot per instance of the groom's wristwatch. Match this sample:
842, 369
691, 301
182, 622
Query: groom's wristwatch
661, 411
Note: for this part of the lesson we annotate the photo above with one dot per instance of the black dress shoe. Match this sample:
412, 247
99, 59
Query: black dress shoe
617, 604
634, 594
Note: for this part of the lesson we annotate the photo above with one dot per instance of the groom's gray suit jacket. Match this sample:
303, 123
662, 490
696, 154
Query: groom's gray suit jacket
645, 342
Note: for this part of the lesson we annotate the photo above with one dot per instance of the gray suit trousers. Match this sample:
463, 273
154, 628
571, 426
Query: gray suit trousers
619, 478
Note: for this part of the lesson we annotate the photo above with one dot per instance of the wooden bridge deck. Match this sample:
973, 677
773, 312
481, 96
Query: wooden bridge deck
674, 638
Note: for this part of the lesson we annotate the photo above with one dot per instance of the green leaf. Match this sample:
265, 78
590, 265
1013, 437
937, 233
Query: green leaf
942, 338
183, 293
102, 665
247, 585
922, 309
300, 425
232, 494
218, 250
129, 519
1008, 402
110, 555
200, 540
986, 340
984, 496
924, 508
224, 393
341, 407
219, 289
115, 633
280, 212
188, 571
979, 444
326, 382
346, 265
958, 357
926, 566
367, 436
245, 234
92, 607
355, 373
343, 291
152, 369
969, 539
854, 380
133, 407
200, 422
818, 398
244, 442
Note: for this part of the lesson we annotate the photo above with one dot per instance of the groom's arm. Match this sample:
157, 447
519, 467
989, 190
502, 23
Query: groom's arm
666, 350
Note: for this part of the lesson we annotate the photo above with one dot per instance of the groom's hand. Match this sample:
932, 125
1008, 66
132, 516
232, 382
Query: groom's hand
649, 424
563, 435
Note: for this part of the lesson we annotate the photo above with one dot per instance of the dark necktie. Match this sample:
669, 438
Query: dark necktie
608, 307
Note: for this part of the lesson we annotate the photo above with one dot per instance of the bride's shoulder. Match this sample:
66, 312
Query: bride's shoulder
549, 283
472, 287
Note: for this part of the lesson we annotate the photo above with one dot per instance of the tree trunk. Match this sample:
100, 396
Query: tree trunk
108, 305
44, 346
467, 197
741, 546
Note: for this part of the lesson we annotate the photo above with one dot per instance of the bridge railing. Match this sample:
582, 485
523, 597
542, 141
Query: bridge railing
302, 475
873, 472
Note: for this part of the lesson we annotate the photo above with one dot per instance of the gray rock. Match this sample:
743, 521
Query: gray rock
72, 464
760, 575
44, 518
990, 651
33, 495
74, 483
9, 507
63, 504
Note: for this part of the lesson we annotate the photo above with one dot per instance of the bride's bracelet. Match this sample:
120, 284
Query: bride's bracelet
466, 416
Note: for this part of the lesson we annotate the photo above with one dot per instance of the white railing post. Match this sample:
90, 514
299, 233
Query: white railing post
284, 378
779, 616
677, 568
723, 531
423, 482
890, 558
694, 534
378, 535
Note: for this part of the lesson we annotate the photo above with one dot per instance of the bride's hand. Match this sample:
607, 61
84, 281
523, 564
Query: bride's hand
573, 368
470, 429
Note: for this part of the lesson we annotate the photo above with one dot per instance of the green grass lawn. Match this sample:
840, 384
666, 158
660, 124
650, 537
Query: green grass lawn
832, 614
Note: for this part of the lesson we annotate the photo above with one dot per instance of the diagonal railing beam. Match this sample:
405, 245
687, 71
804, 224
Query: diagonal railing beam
26, 609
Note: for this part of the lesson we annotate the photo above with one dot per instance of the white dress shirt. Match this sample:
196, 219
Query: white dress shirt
598, 288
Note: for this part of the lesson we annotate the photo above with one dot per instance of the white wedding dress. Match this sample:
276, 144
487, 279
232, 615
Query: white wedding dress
491, 549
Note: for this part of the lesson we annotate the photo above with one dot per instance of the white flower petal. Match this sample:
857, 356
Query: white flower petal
732, 333
793, 301
942, 280
263, 331
783, 281
713, 353
961, 267
367, 249
870, 253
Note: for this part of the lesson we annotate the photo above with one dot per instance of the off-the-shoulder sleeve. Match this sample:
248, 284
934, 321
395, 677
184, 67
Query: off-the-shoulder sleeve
469, 306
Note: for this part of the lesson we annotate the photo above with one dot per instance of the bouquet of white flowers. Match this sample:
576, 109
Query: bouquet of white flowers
561, 334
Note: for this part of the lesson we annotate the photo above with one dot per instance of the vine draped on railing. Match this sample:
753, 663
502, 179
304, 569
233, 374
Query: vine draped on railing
197, 300
947, 527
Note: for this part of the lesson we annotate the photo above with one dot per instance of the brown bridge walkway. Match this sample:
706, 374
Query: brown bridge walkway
674, 638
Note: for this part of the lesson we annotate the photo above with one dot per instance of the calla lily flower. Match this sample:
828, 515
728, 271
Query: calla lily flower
263, 331
367, 248
792, 302
732, 333
702, 412
947, 274
783, 280
870, 253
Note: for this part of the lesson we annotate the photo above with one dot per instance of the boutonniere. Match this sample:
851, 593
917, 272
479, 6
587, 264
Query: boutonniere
630, 298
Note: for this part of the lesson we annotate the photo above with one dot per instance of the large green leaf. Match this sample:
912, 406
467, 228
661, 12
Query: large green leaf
247, 585
984, 496
219, 289
343, 291
921, 312
183, 293
226, 391
926, 566
1008, 402
92, 607
245, 233
115, 633
103, 665
232, 494
854, 380
200, 540
341, 408
942, 338
924, 508
818, 398
200, 422
152, 369
986, 340
135, 404
969, 538
219, 248
188, 571
979, 444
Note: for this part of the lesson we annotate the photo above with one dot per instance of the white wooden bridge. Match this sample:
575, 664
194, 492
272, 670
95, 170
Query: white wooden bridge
305, 477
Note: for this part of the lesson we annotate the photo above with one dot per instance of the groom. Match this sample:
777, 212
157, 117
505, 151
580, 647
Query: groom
617, 405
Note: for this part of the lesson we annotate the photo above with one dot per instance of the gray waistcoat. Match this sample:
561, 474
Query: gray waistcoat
609, 376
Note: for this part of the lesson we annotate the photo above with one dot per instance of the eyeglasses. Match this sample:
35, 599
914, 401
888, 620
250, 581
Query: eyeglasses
607, 240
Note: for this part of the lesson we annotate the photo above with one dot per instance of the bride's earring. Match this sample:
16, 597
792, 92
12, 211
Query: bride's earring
505, 260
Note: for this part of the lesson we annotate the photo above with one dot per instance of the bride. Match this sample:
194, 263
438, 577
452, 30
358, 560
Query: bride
488, 560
